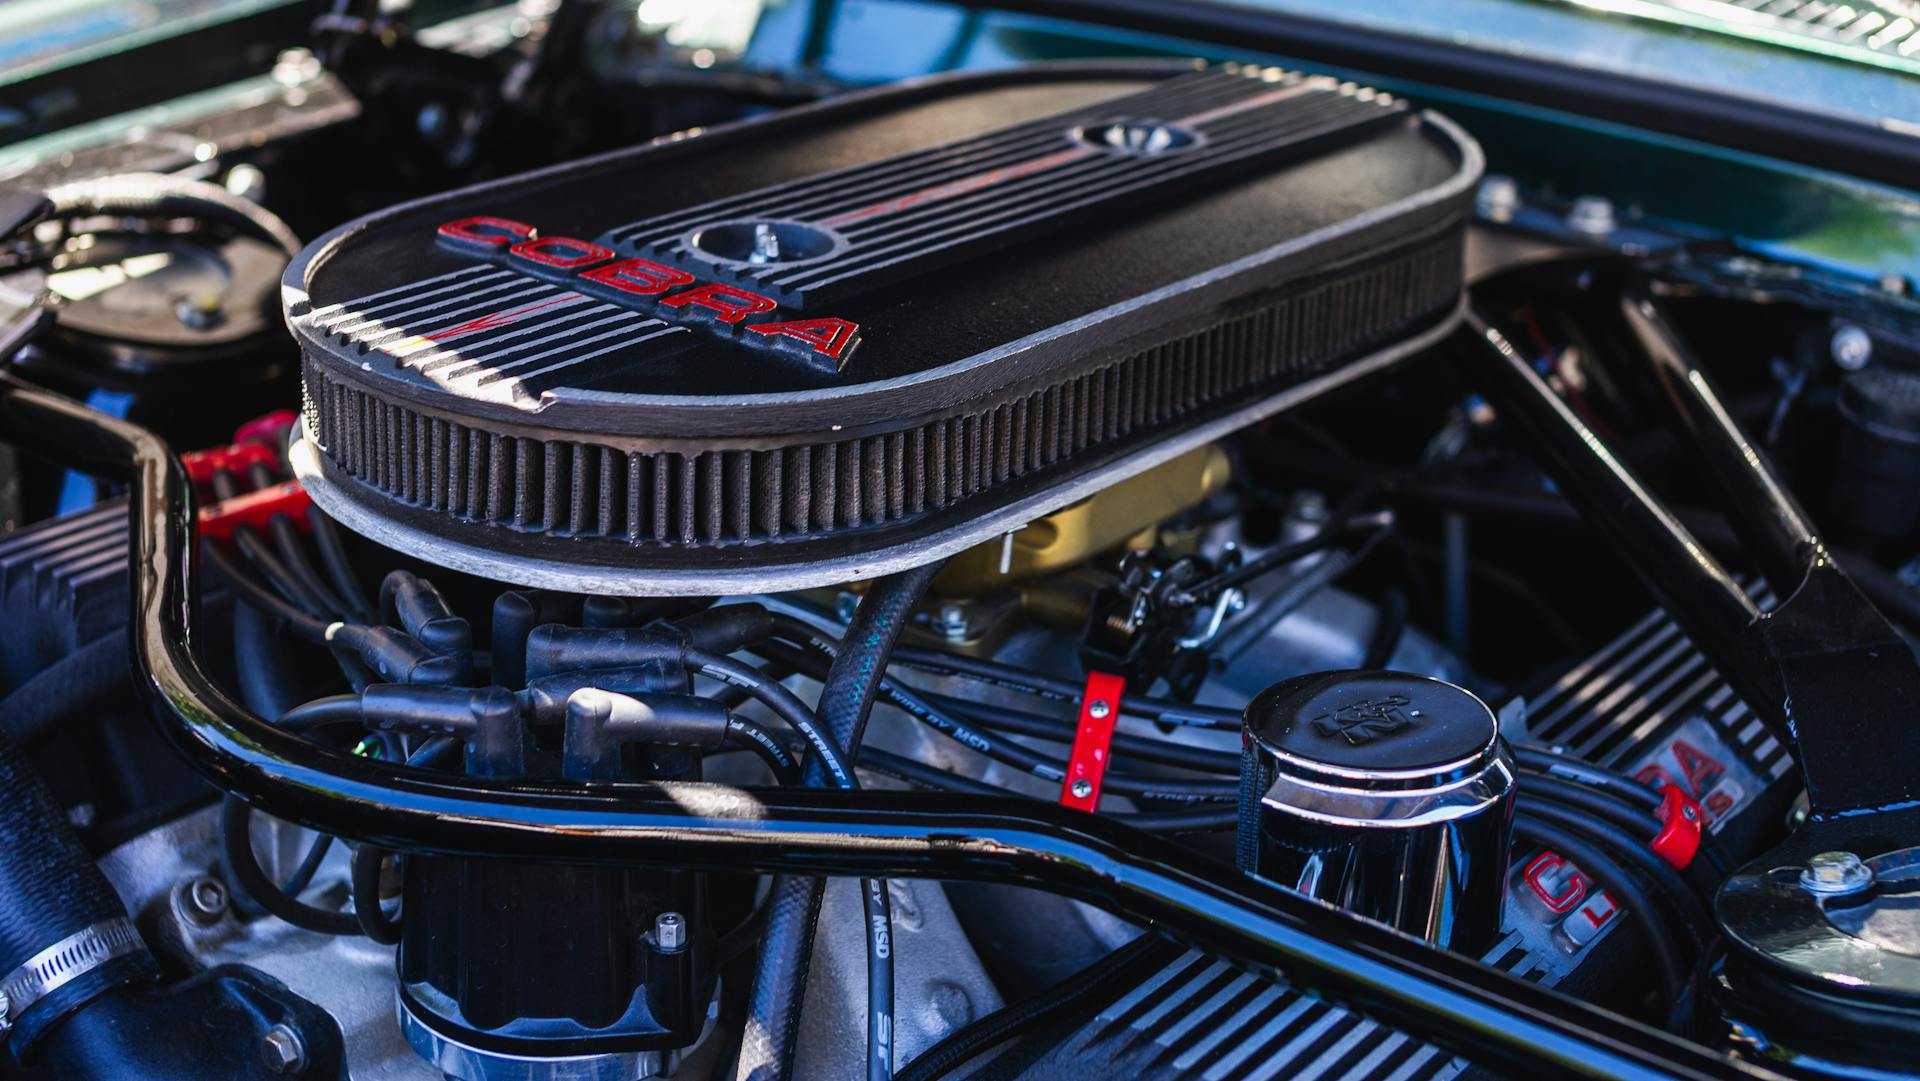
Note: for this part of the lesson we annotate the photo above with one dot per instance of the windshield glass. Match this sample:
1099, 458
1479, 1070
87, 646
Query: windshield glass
1858, 59
37, 36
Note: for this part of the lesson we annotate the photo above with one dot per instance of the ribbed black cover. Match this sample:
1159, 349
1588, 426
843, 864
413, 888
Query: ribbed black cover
727, 495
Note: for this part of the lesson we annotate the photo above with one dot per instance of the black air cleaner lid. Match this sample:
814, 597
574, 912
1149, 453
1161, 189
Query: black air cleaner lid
858, 335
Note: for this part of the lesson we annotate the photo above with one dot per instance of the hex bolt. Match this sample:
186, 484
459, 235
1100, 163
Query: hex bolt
670, 931
1099, 708
282, 1050
951, 623
1851, 347
1835, 873
206, 900
1082, 788
1498, 199
1592, 215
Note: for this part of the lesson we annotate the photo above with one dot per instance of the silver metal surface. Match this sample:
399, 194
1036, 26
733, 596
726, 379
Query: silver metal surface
938, 981
282, 1050
1418, 844
66, 961
462, 1062
350, 977
670, 930
1851, 347
1836, 874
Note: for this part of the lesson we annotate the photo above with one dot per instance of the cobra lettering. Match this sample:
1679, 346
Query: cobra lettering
665, 291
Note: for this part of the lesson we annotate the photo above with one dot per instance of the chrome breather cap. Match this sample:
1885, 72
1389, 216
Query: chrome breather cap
1387, 793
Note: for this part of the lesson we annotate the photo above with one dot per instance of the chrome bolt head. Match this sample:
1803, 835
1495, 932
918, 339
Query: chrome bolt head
1592, 215
670, 931
1498, 199
1099, 709
1851, 347
951, 623
1081, 788
206, 900
1836, 873
282, 1050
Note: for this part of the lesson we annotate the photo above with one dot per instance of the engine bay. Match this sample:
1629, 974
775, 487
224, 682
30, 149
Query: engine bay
541, 550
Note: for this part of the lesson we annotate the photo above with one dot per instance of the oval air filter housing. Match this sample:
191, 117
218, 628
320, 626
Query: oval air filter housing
848, 338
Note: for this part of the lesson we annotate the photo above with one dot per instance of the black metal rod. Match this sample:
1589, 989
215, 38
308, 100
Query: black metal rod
1452, 1001
1715, 612
1778, 534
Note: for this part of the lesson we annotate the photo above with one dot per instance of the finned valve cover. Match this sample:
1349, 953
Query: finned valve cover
848, 338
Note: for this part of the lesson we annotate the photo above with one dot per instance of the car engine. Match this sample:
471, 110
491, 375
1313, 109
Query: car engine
539, 544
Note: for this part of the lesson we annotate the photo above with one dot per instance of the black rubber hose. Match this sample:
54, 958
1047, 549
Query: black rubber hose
1125, 745
1603, 870
264, 672
1668, 885
1014, 678
1387, 631
828, 761
50, 890
780, 978
302, 876
919, 773
79, 681
1554, 763
373, 920
879, 912
286, 541
893, 694
250, 592
278, 574
1009, 752
1599, 802
236, 844
334, 709
749, 736
333, 556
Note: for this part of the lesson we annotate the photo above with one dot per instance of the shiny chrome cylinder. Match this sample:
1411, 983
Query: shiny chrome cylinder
1388, 794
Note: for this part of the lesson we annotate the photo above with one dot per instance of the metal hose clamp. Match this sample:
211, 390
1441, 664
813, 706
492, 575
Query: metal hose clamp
63, 962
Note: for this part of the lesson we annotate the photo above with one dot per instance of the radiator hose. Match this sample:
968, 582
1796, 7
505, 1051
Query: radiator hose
64, 935
793, 910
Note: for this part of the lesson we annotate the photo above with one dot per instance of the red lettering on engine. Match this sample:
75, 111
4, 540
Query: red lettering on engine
1540, 874
486, 232
569, 260
829, 337
641, 277
728, 303
560, 252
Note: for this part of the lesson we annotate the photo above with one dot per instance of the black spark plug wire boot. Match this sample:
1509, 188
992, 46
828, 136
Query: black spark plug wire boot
422, 612
599, 724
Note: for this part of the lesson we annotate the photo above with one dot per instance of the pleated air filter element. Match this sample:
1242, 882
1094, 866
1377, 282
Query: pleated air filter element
848, 338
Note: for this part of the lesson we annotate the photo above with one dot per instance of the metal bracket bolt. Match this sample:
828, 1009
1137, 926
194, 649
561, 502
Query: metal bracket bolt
1836, 873
282, 1050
